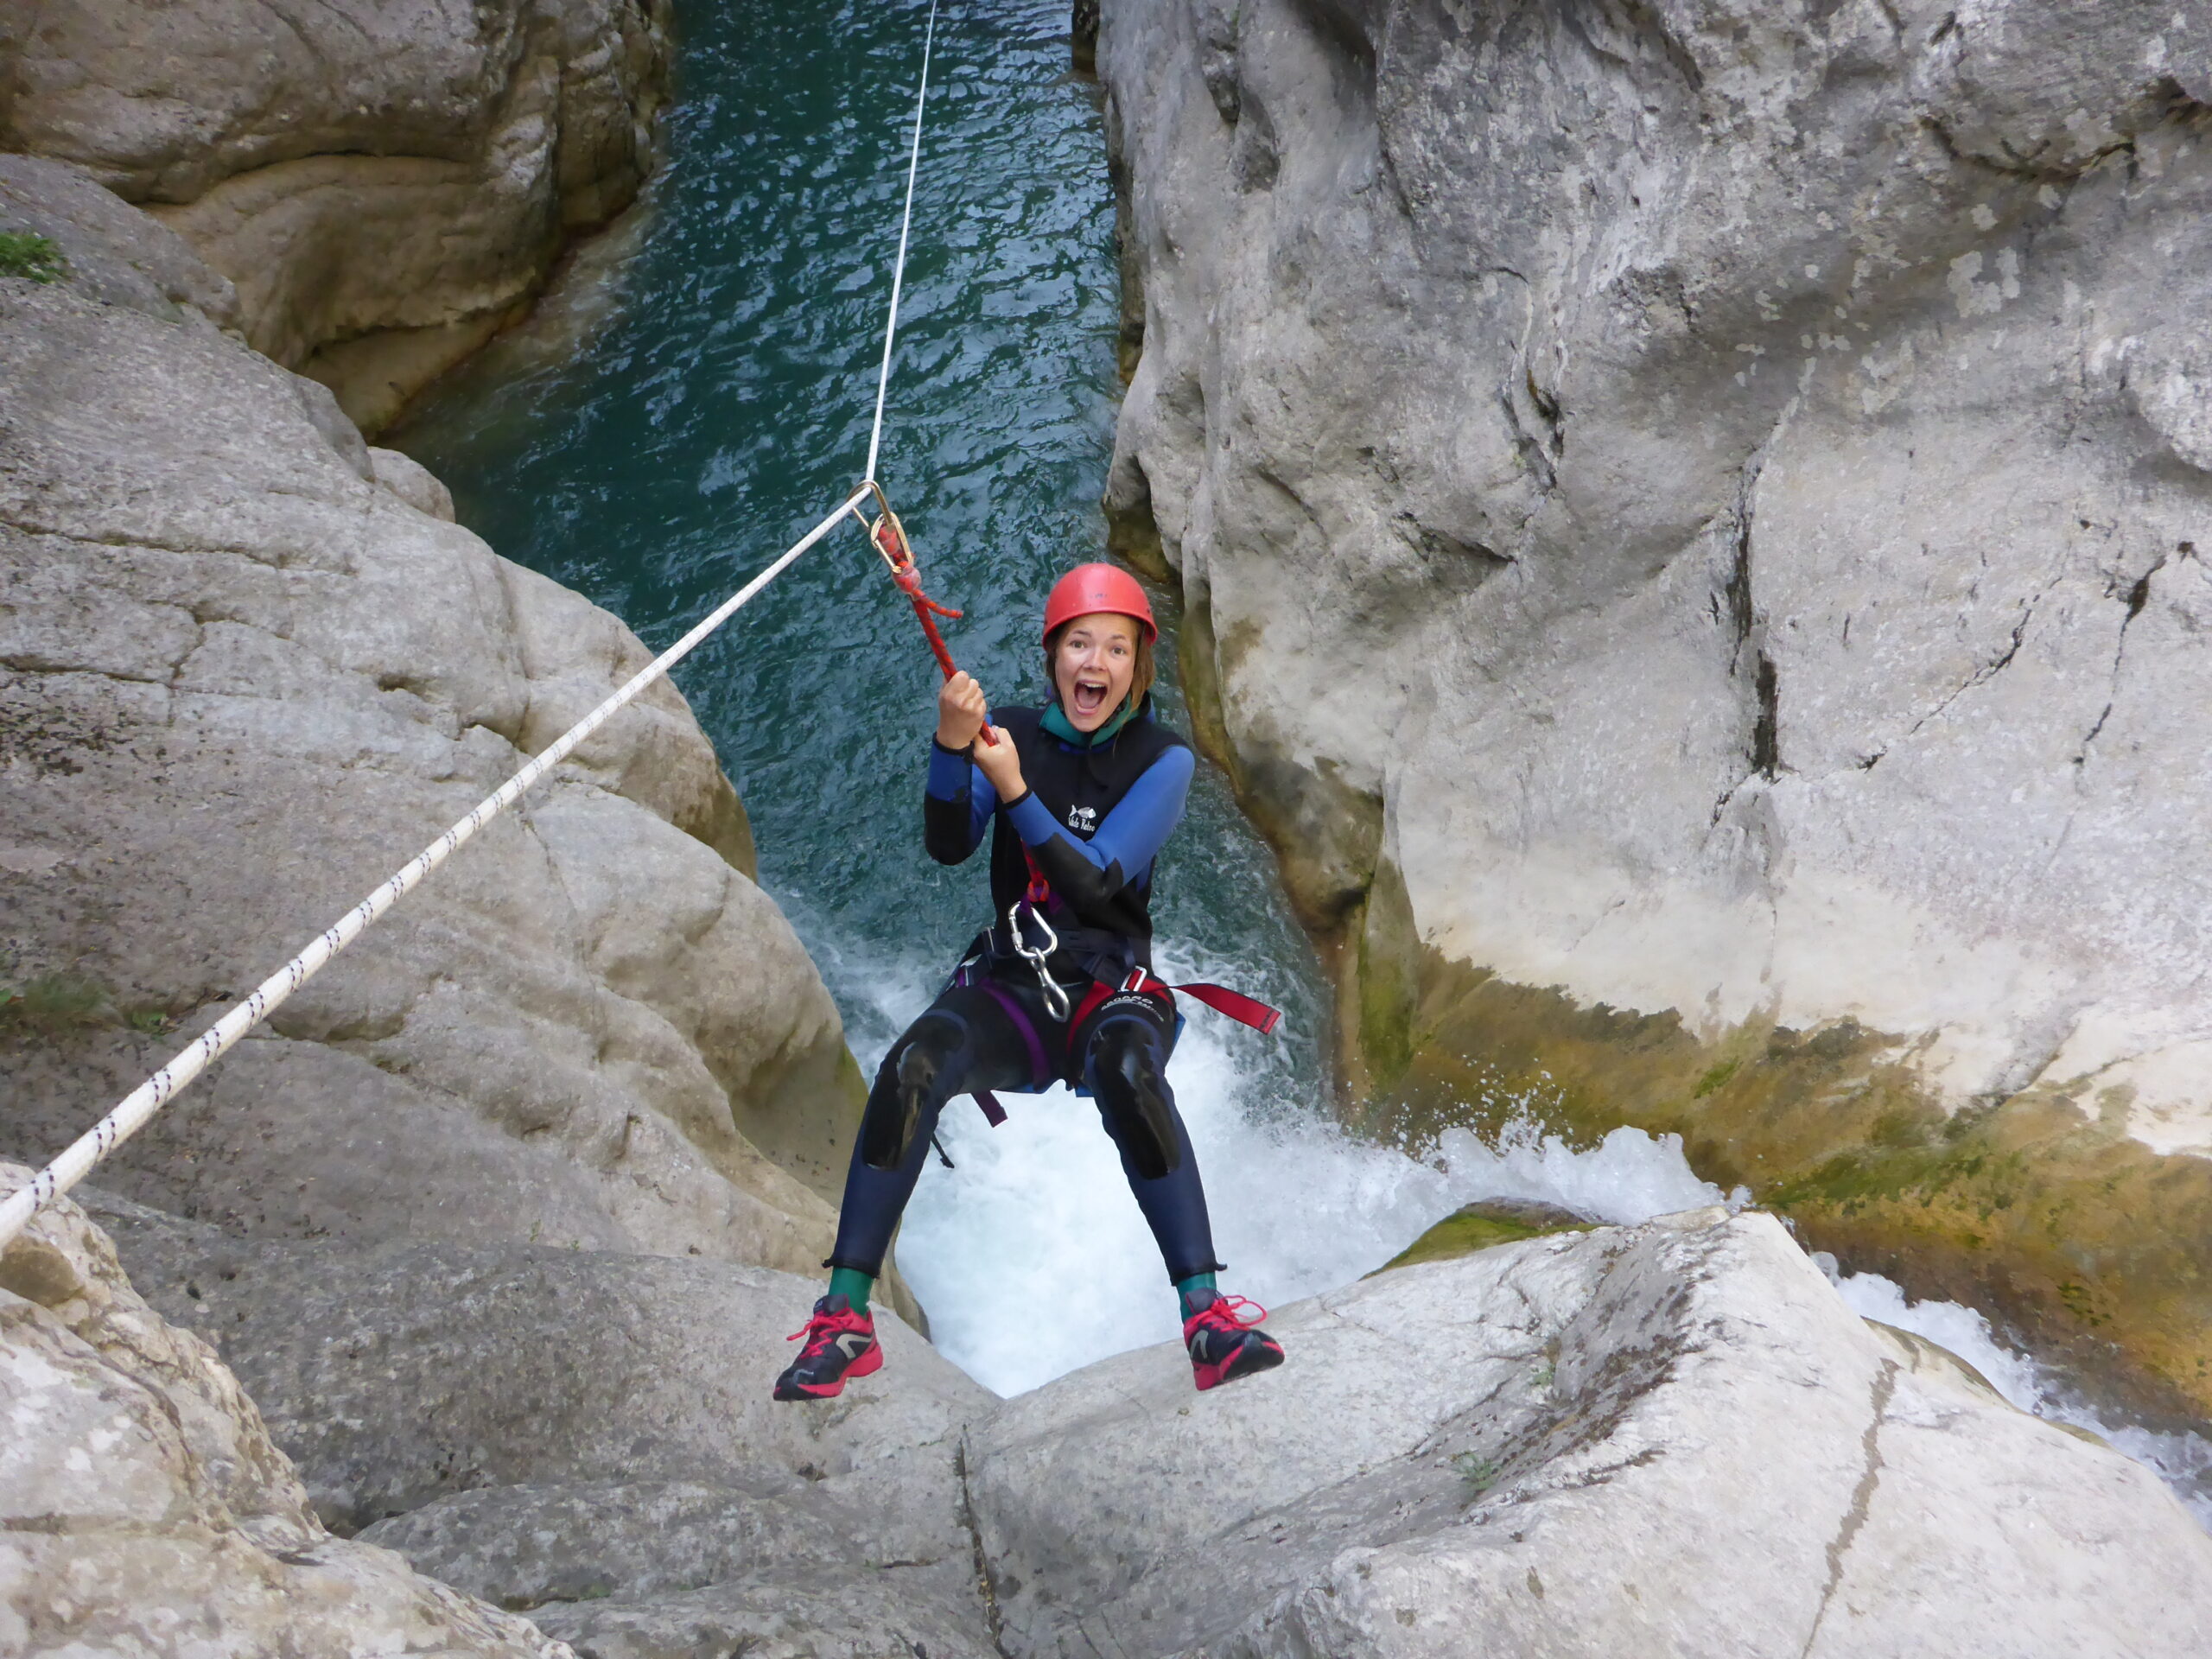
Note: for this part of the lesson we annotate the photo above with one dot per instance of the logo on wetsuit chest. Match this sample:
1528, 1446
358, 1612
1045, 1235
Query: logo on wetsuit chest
1084, 818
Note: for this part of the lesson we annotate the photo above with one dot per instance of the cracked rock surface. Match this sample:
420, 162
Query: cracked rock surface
385, 182
143, 1507
1669, 1440
244, 676
587, 1437
1750, 464
1695, 513
1672, 1439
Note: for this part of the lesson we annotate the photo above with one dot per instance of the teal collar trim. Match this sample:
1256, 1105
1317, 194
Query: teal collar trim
1058, 725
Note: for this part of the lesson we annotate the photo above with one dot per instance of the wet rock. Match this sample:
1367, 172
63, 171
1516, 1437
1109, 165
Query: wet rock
1671, 1439
1690, 519
241, 682
1488, 1222
144, 1509
384, 184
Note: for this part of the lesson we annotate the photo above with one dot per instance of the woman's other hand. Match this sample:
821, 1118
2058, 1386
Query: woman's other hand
1002, 764
960, 710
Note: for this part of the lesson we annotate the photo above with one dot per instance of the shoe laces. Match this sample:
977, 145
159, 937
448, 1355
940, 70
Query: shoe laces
822, 1326
1227, 1314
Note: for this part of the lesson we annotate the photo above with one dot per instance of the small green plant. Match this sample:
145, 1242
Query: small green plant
148, 1022
26, 253
51, 1002
1479, 1471
1713, 1079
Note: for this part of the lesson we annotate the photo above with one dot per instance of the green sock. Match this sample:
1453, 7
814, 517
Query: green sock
852, 1285
1194, 1291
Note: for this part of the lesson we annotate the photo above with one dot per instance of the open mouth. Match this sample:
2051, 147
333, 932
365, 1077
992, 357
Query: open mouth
1090, 695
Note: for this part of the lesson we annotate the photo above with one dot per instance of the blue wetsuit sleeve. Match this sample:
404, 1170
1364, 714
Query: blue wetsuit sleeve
956, 803
1127, 842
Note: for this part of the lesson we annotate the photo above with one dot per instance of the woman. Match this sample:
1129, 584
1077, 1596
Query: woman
1080, 796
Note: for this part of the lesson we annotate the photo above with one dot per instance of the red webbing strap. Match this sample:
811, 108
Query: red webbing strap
890, 539
1245, 1010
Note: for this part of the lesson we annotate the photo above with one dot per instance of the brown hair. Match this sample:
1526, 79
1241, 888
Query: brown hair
1140, 678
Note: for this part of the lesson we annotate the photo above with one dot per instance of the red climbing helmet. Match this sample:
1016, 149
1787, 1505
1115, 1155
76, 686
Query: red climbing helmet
1090, 588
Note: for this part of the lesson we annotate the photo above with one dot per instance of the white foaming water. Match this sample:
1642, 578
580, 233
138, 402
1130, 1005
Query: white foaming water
1033, 1259
2183, 1460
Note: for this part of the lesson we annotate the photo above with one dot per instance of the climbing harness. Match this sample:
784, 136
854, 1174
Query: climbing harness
134, 1111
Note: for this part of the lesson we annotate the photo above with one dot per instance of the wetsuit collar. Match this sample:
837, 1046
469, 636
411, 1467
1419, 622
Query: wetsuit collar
1056, 723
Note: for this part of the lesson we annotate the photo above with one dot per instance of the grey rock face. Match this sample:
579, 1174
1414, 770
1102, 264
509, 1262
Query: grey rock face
1711, 494
589, 1438
115, 253
402, 1375
356, 168
1673, 1439
240, 683
142, 1507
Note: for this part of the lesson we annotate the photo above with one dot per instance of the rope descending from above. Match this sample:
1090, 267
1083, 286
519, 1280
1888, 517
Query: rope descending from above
111, 1131
886, 535
898, 269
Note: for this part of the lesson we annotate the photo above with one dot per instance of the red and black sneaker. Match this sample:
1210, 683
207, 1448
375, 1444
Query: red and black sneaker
1222, 1343
840, 1344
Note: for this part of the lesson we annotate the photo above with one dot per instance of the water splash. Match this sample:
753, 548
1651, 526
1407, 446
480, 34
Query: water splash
1032, 1259
2183, 1460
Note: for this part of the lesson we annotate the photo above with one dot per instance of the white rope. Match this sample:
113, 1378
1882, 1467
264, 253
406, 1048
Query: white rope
139, 1106
898, 270
165, 1085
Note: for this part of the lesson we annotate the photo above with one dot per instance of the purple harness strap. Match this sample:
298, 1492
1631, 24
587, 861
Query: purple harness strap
1038, 1073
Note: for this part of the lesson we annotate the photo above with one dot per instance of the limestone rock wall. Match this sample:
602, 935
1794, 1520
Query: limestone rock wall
1671, 1439
244, 674
587, 1437
1668, 1439
143, 1507
385, 184
1691, 515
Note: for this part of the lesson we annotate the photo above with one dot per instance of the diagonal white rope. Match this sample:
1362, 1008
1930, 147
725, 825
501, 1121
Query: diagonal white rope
905, 224
165, 1085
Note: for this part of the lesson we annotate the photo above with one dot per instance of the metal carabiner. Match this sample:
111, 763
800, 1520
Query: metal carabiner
1056, 999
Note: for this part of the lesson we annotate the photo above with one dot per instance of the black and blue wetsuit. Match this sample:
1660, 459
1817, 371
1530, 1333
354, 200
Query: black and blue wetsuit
1079, 847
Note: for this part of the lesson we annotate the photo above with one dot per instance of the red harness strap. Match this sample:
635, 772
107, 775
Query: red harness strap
1245, 1010
890, 539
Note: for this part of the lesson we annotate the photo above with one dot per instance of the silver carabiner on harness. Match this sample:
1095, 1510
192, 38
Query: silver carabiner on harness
1056, 999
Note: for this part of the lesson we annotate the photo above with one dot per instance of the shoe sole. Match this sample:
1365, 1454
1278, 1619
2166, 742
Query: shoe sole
1250, 1362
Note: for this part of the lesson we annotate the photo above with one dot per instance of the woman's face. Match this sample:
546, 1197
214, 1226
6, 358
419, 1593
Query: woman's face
1092, 668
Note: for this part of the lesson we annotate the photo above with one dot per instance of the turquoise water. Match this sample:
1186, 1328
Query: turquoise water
722, 407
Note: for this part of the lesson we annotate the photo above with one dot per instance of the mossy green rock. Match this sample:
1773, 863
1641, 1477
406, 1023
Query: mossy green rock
2039, 1210
1482, 1225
